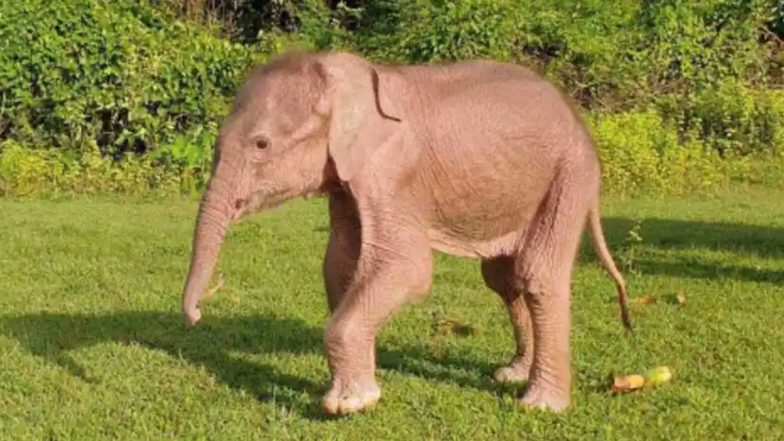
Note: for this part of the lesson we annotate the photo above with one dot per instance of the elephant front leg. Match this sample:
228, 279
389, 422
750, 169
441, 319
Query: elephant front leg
386, 278
340, 261
339, 267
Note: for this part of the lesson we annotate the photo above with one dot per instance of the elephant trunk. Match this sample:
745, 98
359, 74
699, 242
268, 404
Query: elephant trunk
215, 213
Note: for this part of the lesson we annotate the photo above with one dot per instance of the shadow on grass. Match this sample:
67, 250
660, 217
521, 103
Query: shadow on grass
211, 344
674, 235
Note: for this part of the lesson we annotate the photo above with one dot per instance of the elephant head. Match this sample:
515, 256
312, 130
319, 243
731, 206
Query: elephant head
300, 125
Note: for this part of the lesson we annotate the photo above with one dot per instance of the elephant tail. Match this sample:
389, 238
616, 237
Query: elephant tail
600, 246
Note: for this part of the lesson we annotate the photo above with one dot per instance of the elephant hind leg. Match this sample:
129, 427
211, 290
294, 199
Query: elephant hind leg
498, 274
543, 273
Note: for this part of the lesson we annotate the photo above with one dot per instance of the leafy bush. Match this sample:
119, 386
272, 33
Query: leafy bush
695, 45
641, 153
26, 172
733, 119
113, 72
238, 20
191, 156
606, 54
416, 31
683, 95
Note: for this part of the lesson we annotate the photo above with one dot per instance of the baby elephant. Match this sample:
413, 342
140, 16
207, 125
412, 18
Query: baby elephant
476, 159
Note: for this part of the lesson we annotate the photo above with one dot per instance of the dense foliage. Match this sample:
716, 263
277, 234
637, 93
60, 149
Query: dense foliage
80, 73
680, 95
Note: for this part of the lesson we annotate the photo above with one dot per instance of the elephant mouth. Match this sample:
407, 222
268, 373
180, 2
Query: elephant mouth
257, 202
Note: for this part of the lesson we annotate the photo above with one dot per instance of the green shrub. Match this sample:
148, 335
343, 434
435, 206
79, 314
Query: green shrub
127, 95
733, 119
611, 55
25, 171
35, 172
238, 20
641, 153
442, 31
593, 49
191, 156
770, 121
695, 45
109, 71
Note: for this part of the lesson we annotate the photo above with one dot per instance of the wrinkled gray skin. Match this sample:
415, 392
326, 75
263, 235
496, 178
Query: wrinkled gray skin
476, 159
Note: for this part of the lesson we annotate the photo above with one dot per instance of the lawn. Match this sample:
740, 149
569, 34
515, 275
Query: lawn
92, 344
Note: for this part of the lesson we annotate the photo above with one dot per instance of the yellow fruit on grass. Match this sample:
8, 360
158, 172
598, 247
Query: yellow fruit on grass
659, 375
628, 383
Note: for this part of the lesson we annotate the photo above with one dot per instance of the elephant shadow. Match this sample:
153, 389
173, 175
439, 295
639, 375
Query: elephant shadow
678, 235
212, 344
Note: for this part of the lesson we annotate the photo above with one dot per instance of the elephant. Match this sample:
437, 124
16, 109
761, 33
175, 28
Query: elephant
479, 159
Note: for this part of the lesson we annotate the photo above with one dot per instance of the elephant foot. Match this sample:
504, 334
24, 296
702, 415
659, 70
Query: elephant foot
515, 372
542, 398
351, 396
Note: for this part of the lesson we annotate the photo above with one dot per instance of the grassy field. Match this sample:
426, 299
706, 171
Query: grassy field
92, 345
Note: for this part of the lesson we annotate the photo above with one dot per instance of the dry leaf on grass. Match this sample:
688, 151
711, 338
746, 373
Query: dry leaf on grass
680, 298
643, 300
449, 326
214, 289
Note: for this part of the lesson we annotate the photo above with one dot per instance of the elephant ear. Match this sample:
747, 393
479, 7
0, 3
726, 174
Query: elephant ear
362, 115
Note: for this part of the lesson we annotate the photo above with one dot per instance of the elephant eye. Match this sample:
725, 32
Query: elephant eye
262, 143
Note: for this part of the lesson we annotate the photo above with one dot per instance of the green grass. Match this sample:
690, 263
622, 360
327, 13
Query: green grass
92, 345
